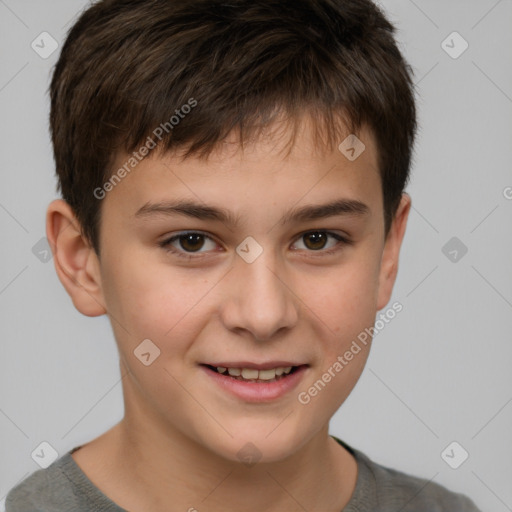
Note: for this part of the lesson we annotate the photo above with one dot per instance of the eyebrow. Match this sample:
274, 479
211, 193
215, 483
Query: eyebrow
349, 207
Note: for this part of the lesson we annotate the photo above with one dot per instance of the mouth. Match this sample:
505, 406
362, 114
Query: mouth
248, 372
253, 383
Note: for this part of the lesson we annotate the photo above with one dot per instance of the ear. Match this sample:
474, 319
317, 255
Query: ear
76, 262
390, 254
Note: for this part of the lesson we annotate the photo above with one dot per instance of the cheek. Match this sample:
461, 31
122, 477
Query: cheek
345, 299
344, 305
154, 301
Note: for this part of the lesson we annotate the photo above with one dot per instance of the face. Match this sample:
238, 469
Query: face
259, 288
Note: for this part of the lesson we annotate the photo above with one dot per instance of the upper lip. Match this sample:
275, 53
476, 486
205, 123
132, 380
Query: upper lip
255, 366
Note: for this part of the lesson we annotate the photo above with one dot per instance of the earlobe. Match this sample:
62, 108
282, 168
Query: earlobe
76, 262
391, 252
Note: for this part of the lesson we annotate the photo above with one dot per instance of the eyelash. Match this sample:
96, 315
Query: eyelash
166, 244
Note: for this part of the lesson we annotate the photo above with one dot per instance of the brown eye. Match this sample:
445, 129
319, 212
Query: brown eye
318, 242
315, 240
186, 244
189, 244
191, 241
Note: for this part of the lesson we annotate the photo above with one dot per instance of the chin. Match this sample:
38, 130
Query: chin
258, 444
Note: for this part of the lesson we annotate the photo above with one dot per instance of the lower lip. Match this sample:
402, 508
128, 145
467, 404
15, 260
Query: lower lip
257, 391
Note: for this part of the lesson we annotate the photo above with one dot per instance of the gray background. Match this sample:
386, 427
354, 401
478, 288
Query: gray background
439, 372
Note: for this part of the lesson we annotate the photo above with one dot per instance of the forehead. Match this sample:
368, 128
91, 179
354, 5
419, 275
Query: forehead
265, 173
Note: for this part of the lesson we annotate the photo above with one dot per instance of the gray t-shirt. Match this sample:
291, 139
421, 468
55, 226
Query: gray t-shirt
64, 487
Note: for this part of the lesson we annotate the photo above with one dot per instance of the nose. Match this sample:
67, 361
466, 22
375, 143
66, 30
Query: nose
258, 298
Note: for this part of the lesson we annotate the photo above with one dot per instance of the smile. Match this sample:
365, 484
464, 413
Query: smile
256, 384
253, 374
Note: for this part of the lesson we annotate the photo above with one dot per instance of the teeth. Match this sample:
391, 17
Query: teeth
253, 374
248, 373
267, 374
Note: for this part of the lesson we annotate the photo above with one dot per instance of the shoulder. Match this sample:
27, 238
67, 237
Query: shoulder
61, 487
45, 490
396, 490
35, 492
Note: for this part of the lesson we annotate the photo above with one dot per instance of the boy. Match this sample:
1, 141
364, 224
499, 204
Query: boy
273, 139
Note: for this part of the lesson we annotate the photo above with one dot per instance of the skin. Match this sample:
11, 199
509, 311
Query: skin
176, 447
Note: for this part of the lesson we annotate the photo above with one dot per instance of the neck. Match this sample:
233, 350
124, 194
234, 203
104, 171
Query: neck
156, 465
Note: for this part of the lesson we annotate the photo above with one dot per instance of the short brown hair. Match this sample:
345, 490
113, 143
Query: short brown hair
127, 65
